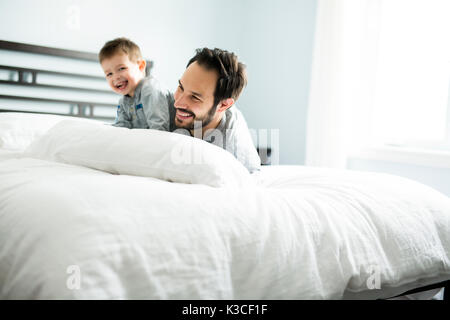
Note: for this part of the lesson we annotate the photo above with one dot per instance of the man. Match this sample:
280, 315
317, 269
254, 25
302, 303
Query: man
203, 104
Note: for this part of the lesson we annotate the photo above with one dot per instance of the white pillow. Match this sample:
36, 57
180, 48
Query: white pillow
141, 152
18, 130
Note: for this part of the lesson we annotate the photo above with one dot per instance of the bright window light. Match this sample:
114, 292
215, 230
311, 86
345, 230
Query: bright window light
411, 101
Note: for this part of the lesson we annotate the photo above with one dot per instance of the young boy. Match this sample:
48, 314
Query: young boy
144, 103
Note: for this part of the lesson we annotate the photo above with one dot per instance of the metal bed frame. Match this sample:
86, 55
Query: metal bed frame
444, 284
27, 77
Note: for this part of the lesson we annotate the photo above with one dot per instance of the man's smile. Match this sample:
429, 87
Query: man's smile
184, 115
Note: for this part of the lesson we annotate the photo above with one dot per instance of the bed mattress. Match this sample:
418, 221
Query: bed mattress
71, 232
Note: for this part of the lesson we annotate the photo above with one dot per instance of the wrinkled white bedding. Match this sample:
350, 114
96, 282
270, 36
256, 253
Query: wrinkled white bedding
302, 233
9, 154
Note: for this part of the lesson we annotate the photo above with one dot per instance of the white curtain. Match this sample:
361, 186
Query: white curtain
341, 86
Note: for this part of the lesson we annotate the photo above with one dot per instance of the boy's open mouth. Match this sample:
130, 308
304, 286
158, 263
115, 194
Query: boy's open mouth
121, 85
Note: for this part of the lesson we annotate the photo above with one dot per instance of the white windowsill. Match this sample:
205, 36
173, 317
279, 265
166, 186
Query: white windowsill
405, 155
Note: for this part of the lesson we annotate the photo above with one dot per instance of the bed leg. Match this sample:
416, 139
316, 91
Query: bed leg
447, 291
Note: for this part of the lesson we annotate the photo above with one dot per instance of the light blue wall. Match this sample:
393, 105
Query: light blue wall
274, 39
278, 43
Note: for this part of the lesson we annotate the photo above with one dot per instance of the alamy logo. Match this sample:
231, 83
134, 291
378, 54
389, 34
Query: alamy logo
73, 17
192, 153
374, 281
74, 279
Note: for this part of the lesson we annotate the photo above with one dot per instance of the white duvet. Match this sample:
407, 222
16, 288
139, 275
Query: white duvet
70, 232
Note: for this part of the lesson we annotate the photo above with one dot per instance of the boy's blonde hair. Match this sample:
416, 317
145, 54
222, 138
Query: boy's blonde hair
120, 45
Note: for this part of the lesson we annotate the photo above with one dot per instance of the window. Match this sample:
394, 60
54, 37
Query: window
411, 104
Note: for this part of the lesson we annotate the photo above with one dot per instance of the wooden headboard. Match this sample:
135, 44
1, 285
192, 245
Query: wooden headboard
57, 83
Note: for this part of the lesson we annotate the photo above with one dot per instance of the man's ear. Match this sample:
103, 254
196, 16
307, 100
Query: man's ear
142, 64
225, 104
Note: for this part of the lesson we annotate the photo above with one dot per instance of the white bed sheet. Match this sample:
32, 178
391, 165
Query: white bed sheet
9, 154
303, 233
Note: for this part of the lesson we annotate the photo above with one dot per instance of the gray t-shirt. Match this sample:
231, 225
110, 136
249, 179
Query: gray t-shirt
147, 109
231, 134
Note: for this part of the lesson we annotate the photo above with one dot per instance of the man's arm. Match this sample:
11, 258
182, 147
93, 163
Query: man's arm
156, 106
246, 151
240, 142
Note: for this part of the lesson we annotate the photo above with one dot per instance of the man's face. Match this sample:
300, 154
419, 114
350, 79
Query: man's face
123, 75
194, 97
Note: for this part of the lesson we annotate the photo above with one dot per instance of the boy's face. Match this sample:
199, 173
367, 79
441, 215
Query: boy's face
123, 75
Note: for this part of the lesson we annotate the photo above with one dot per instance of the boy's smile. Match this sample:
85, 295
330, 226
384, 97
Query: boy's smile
123, 75
121, 85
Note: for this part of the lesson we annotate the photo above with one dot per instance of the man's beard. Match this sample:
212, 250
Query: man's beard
198, 123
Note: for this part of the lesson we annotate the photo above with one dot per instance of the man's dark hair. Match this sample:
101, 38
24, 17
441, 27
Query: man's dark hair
232, 74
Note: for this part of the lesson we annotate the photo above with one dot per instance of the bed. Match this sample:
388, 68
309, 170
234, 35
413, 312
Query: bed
182, 219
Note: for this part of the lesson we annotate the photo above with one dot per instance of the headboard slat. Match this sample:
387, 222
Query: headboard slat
50, 86
23, 47
57, 73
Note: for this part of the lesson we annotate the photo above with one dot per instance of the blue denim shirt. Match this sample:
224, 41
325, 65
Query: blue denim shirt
147, 109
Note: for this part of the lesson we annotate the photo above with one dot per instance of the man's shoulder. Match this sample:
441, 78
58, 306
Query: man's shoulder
234, 119
239, 139
151, 85
235, 127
